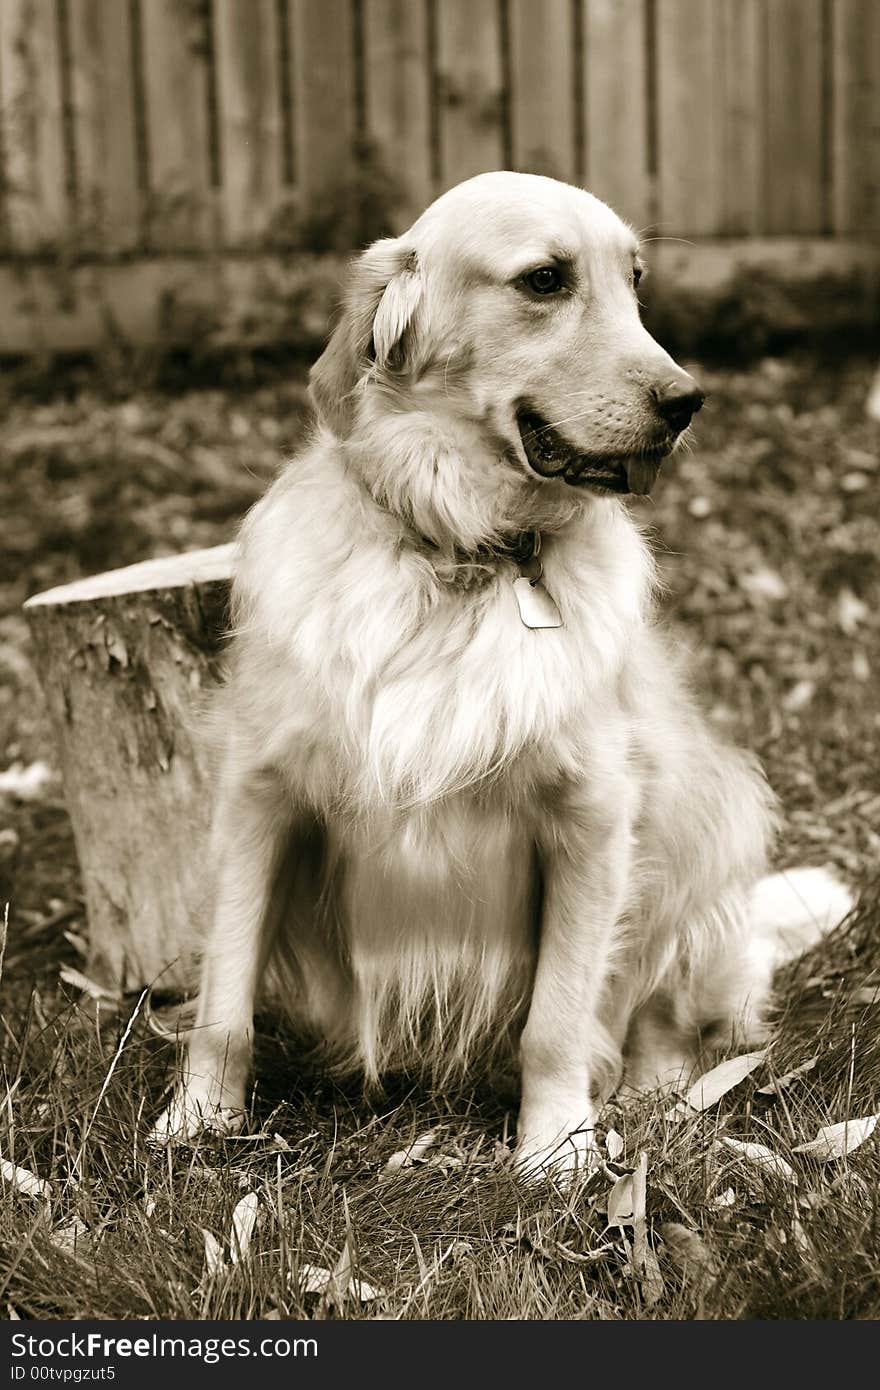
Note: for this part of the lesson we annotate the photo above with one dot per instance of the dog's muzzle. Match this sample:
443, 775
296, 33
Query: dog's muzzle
551, 455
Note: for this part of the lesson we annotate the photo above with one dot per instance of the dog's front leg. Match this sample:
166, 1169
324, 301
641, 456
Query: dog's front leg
251, 827
585, 864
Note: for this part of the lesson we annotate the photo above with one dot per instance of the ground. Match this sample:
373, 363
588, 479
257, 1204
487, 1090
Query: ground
769, 544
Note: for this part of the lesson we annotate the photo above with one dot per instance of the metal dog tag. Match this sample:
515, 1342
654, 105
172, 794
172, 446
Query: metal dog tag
537, 608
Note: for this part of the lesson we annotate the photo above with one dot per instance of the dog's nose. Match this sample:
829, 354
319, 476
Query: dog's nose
678, 399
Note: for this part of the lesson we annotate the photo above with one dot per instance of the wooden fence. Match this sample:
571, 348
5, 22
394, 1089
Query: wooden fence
136, 128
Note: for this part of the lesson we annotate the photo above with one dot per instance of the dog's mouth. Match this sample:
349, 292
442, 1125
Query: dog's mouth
551, 455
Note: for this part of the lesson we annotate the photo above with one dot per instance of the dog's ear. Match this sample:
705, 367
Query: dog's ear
374, 329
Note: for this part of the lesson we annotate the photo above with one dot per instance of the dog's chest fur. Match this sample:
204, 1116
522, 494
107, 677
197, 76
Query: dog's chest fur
396, 690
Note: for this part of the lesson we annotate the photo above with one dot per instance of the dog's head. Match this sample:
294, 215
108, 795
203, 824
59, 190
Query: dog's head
509, 308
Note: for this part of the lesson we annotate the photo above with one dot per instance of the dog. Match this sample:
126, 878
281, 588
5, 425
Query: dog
465, 797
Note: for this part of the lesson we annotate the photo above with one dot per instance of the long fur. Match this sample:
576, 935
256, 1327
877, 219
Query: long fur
441, 826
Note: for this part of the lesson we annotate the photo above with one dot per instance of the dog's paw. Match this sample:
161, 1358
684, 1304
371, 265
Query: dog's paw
193, 1112
560, 1154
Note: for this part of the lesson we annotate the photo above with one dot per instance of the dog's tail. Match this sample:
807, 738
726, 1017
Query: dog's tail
793, 910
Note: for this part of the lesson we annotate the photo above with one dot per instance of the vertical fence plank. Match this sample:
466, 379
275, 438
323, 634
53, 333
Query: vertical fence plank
688, 144
741, 110
615, 108
176, 47
469, 88
108, 196
793, 184
246, 56
398, 97
542, 108
855, 148
741, 96
36, 213
323, 84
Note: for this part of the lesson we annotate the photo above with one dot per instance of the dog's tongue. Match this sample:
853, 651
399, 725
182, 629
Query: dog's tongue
640, 474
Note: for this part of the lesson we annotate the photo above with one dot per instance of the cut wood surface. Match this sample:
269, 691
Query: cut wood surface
125, 659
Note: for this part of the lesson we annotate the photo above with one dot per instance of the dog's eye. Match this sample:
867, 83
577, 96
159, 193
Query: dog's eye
545, 280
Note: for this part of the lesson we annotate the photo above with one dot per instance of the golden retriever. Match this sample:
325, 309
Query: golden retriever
465, 795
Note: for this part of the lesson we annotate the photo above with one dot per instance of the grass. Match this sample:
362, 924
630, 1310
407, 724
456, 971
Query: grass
769, 537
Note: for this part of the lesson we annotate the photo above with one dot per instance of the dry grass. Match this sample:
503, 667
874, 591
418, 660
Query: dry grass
784, 482
456, 1236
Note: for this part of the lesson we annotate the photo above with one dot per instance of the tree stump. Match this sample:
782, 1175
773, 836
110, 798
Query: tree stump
124, 659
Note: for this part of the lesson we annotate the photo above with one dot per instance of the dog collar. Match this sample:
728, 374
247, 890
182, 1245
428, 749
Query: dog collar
517, 550
537, 607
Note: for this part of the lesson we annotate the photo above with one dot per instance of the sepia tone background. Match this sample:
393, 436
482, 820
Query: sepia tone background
182, 182
166, 163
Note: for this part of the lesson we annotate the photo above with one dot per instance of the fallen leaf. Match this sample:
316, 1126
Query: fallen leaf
23, 1180
802, 1242
854, 482
214, 1262
836, 1141
639, 1188
689, 1251
74, 1237
764, 583
708, 1089
645, 1263
651, 1278
405, 1158
861, 666
26, 783
620, 1202
10, 843
315, 1279
812, 1202
867, 996
243, 1221
447, 1163
799, 696
781, 1082
761, 1157
851, 611
613, 1145
78, 980
340, 1280
727, 1198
